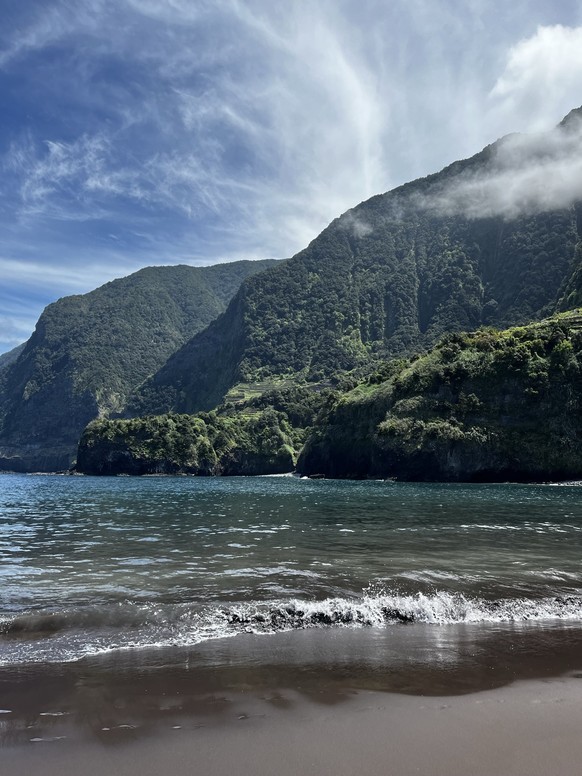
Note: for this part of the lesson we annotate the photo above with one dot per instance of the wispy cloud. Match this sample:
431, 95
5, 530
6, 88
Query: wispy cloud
281, 141
50, 24
39, 274
54, 179
220, 129
16, 324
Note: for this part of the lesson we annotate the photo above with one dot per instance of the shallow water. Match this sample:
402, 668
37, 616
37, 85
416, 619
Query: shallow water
94, 565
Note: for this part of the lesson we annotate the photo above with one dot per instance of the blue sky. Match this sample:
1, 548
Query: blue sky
138, 132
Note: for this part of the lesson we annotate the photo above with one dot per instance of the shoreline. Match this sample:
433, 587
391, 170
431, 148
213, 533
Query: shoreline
297, 475
140, 693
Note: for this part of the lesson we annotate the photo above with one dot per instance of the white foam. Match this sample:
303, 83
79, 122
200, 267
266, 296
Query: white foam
185, 625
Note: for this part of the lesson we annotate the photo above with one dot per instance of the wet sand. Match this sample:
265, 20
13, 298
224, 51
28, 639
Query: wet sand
412, 700
524, 730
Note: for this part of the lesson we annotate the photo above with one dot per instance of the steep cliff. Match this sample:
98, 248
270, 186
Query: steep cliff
486, 406
492, 240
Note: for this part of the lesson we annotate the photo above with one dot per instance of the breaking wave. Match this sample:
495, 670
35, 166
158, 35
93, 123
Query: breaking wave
71, 634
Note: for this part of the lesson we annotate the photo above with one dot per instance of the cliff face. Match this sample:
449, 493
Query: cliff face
450, 252
487, 406
89, 352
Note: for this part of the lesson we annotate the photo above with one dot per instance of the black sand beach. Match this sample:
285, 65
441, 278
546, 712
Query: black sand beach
310, 702
275, 626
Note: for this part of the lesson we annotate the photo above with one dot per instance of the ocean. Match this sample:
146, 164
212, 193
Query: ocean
206, 585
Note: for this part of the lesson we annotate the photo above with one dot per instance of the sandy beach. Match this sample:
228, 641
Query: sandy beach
310, 702
528, 729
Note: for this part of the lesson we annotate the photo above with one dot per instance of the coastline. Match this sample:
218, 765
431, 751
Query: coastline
318, 702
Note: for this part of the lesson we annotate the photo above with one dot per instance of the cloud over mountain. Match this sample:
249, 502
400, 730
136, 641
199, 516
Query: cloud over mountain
526, 175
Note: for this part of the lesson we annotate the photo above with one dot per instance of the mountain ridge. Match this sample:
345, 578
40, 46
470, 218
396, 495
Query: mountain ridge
492, 240
390, 276
89, 351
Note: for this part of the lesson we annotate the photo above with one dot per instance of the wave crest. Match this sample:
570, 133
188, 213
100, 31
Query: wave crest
70, 634
381, 609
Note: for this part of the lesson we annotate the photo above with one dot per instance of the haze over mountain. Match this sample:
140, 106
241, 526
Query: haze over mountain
88, 352
494, 239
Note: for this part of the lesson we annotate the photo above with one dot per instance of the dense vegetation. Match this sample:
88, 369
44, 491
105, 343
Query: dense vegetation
384, 281
261, 436
90, 351
388, 278
491, 405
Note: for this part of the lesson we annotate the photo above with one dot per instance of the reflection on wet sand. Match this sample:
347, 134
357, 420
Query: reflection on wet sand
130, 695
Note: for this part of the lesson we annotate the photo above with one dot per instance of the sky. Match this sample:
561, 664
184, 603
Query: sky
140, 132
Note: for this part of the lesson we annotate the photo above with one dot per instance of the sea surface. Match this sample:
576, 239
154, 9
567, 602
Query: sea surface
101, 566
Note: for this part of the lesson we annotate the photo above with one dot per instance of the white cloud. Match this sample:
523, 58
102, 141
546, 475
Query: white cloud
275, 145
39, 274
355, 224
51, 25
525, 175
14, 330
542, 77
52, 175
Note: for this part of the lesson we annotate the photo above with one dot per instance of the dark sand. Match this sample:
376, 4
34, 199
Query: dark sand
529, 729
417, 700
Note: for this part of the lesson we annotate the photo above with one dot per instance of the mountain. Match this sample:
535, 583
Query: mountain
89, 352
486, 406
10, 356
491, 240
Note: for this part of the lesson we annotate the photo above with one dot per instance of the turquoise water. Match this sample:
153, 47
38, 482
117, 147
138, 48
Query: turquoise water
90, 565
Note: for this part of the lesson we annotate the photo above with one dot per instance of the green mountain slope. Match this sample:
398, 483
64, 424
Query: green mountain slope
10, 356
392, 275
89, 352
483, 406
486, 406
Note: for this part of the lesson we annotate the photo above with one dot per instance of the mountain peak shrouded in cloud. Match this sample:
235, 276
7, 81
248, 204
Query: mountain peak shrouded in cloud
516, 176
573, 119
